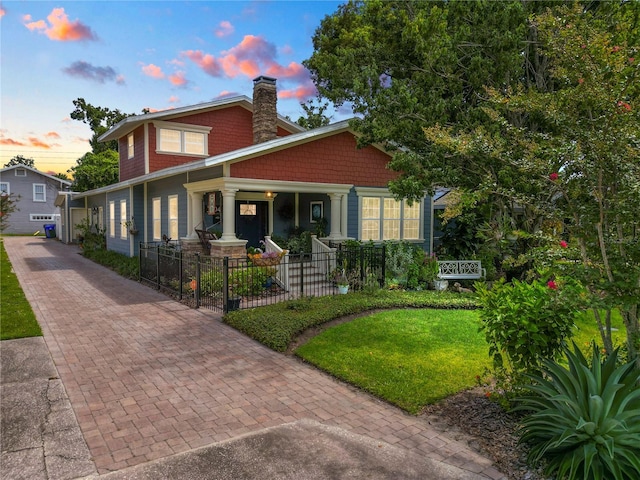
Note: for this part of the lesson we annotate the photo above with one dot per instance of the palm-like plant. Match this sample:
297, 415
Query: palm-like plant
585, 420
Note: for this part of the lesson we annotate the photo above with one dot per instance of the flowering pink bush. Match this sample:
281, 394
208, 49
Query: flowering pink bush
553, 177
563, 244
552, 285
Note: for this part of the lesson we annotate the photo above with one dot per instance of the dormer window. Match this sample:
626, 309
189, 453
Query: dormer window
182, 138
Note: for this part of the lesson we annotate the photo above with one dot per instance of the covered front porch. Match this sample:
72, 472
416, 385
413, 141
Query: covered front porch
241, 212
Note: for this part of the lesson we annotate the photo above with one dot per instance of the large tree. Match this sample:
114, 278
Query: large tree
99, 119
97, 168
579, 147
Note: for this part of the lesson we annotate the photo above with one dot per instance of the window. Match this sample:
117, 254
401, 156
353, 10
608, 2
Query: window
39, 192
130, 146
384, 218
156, 218
4, 188
182, 138
21, 172
123, 219
411, 221
173, 217
371, 218
112, 219
41, 217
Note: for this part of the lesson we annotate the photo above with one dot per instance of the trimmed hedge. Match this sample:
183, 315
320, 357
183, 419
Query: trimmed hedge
276, 326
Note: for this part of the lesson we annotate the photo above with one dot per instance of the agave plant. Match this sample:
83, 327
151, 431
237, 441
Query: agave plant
585, 420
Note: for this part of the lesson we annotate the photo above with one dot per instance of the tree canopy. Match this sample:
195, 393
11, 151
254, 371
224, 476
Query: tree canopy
21, 160
98, 168
95, 170
533, 104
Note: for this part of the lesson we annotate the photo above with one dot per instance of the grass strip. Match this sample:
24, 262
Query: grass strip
17, 319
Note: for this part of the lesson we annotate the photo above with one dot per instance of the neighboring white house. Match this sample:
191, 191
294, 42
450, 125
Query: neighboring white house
35, 193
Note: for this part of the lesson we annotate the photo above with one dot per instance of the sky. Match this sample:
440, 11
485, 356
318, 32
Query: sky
132, 55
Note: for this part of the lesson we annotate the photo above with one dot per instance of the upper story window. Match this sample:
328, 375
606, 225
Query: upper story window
4, 188
130, 146
21, 172
39, 192
182, 138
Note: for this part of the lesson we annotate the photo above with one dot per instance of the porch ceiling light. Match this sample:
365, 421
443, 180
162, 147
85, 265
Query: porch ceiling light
268, 194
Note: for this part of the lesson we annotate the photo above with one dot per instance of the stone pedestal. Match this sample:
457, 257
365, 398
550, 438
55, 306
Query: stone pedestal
190, 245
229, 248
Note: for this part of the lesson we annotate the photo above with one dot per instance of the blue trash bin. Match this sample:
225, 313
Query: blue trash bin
50, 230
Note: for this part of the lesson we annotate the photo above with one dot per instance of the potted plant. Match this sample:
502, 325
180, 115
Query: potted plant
131, 226
431, 273
339, 277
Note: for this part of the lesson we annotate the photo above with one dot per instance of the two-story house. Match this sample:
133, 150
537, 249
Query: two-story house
35, 193
238, 167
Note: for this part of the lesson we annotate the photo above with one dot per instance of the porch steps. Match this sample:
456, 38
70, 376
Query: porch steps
313, 277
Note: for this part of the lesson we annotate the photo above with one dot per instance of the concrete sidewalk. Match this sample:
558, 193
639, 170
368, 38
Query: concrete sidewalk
163, 391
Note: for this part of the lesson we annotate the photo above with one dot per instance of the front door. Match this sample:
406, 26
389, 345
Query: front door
251, 221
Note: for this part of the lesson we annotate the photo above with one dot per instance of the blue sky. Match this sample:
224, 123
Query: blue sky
131, 55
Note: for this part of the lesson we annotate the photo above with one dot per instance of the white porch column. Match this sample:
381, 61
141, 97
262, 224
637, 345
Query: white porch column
229, 214
336, 214
195, 217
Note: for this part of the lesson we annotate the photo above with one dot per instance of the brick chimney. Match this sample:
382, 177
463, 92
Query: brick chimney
265, 115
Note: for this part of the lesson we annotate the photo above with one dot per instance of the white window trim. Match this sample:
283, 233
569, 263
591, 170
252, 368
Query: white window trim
384, 193
182, 128
44, 192
123, 220
157, 237
21, 172
8, 190
112, 218
130, 146
170, 198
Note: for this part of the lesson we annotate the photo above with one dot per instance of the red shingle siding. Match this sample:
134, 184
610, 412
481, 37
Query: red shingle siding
231, 129
132, 167
333, 159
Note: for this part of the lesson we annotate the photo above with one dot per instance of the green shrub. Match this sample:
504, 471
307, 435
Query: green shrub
123, 265
211, 282
277, 325
586, 418
528, 322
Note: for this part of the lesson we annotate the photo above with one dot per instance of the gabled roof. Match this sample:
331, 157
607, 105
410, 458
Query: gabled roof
126, 125
35, 170
259, 149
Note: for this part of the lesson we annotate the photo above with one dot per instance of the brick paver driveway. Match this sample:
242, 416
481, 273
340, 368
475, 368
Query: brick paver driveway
148, 377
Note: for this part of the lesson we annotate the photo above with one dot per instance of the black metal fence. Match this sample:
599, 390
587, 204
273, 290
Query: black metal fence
225, 284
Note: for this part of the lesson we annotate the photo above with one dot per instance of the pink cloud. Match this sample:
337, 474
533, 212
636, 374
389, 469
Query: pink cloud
3, 12
174, 99
206, 62
12, 142
293, 71
302, 92
153, 71
52, 135
36, 142
60, 28
224, 29
178, 79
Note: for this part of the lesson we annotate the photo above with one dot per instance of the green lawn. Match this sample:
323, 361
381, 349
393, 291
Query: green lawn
412, 358
408, 357
17, 319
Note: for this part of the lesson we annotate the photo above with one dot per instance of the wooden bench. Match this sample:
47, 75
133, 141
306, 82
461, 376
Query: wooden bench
204, 237
461, 270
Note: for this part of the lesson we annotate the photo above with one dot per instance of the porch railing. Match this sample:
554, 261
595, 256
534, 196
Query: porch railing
224, 284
